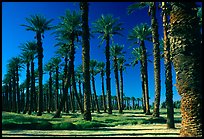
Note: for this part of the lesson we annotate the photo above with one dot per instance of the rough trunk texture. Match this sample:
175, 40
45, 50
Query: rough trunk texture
27, 87
108, 79
143, 87
117, 84
57, 87
86, 60
95, 96
145, 76
185, 40
103, 93
156, 52
32, 102
168, 73
17, 90
121, 87
40, 72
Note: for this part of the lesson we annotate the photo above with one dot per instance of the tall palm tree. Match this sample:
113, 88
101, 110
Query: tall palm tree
56, 62
79, 79
70, 29
122, 66
39, 24
15, 63
28, 54
94, 72
86, 59
139, 34
49, 68
168, 73
101, 68
186, 50
116, 50
156, 50
107, 26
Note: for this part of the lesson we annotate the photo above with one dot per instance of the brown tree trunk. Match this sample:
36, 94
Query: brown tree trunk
186, 49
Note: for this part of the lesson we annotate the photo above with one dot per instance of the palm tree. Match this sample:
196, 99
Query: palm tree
156, 50
39, 24
101, 68
69, 30
115, 51
28, 54
49, 68
139, 34
79, 79
133, 102
107, 26
186, 50
15, 65
56, 62
168, 73
86, 59
122, 66
94, 72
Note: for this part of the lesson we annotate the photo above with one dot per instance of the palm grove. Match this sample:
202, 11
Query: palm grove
181, 45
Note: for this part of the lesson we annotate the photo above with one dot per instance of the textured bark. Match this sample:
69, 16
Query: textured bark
32, 92
103, 92
156, 52
17, 90
57, 87
108, 79
143, 87
94, 90
168, 73
86, 60
185, 40
27, 87
40, 72
145, 76
121, 87
117, 84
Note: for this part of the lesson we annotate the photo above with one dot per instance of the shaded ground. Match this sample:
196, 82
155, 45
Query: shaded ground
131, 123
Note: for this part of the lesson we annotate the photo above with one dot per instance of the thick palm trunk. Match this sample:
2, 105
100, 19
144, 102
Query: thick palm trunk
168, 73
50, 93
14, 92
156, 52
40, 72
95, 96
67, 79
145, 76
10, 96
117, 85
185, 40
108, 79
27, 88
72, 50
65, 84
57, 87
103, 93
86, 60
17, 91
121, 87
143, 87
32, 98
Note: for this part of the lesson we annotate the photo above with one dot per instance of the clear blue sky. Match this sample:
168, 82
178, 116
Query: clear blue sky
14, 14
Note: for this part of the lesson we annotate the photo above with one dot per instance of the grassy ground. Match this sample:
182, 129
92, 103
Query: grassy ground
131, 123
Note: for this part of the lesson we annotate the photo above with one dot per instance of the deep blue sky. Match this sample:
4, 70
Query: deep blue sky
14, 14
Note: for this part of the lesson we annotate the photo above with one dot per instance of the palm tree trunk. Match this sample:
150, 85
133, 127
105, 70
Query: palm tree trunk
14, 92
67, 80
57, 87
108, 79
186, 49
50, 93
103, 93
117, 84
10, 96
72, 50
121, 87
86, 60
94, 90
168, 73
156, 51
143, 87
27, 88
17, 90
40, 72
145, 76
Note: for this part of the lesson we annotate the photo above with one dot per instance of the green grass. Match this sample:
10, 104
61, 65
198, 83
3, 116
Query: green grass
75, 121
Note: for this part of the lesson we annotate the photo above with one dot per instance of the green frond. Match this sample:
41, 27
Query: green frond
137, 5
